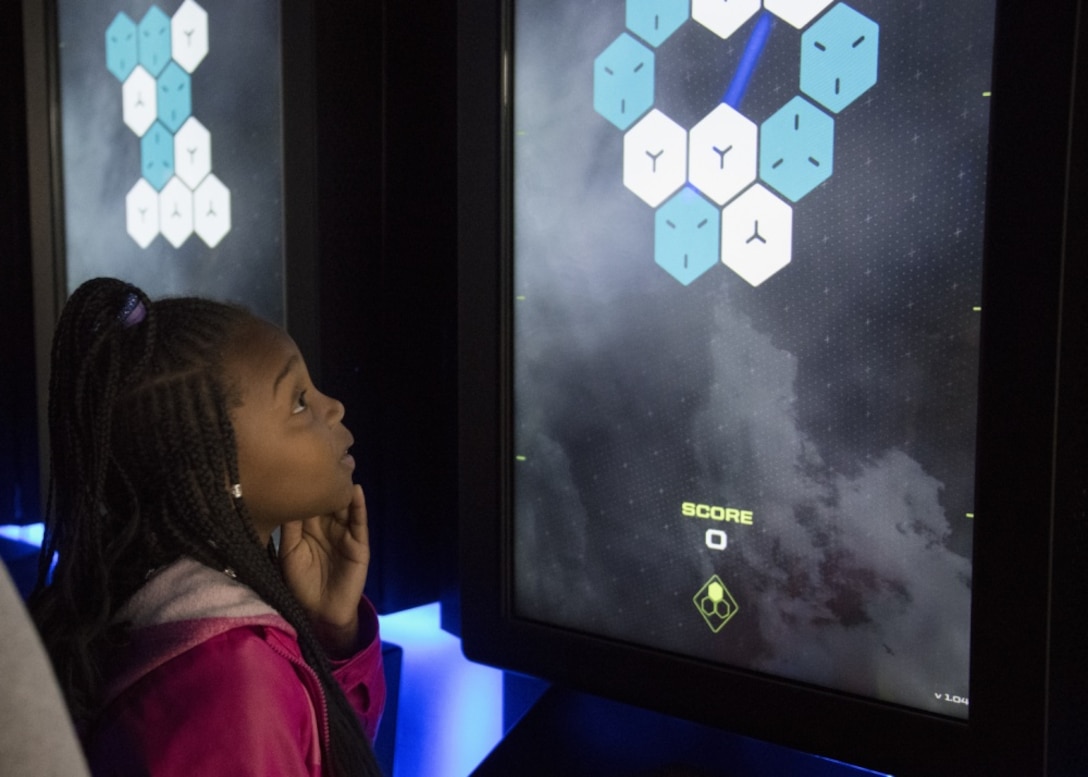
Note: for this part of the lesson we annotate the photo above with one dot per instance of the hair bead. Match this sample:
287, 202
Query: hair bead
133, 311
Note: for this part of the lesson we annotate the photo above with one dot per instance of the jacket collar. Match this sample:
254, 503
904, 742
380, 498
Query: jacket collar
181, 606
189, 590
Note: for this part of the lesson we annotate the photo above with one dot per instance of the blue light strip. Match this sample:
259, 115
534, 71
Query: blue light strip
450, 714
31, 534
734, 95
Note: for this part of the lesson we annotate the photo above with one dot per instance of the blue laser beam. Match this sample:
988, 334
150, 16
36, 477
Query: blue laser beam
734, 95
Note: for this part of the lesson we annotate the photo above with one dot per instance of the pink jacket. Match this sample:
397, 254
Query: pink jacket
212, 682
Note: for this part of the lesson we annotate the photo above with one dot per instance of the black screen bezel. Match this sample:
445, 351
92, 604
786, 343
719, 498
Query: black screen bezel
1024, 492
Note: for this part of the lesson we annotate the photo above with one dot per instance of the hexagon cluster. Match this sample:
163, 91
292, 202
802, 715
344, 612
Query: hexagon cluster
722, 190
177, 193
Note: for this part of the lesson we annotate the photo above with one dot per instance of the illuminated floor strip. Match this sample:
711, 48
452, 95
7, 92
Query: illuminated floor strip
450, 713
31, 534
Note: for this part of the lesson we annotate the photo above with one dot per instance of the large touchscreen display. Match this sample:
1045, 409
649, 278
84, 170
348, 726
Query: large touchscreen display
172, 146
747, 244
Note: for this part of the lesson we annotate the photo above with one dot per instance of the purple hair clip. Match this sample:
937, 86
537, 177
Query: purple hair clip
133, 312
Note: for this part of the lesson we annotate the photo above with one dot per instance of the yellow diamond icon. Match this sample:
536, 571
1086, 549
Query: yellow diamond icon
715, 604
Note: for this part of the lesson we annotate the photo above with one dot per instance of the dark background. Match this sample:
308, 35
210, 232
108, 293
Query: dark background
18, 415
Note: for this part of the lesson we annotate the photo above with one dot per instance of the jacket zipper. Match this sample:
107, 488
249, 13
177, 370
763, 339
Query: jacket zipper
326, 738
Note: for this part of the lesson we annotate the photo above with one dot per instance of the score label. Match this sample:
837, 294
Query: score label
717, 513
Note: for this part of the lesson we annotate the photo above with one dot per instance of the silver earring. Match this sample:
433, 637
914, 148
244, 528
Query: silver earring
236, 490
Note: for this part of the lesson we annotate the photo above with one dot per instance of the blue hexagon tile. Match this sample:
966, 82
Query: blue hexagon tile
839, 57
157, 156
121, 46
686, 235
655, 20
623, 81
797, 148
154, 40
174, 99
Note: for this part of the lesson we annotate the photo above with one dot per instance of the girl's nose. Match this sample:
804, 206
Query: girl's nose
336, 411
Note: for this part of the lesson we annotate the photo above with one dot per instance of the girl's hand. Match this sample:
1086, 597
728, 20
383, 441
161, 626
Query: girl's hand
325, 561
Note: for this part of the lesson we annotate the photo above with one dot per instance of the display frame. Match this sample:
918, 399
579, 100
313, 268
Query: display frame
1026, 396
297, 231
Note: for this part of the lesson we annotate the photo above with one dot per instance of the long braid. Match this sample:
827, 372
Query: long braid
142, 452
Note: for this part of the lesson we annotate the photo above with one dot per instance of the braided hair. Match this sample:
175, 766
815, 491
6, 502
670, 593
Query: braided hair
142, 452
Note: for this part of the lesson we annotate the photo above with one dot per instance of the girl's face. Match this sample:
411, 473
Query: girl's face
293, 458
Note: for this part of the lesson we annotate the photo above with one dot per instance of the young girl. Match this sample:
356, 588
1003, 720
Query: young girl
183, 433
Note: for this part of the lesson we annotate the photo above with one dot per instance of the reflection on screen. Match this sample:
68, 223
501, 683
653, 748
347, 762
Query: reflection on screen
747, 271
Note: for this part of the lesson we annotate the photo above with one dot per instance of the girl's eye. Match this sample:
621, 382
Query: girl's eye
300, 404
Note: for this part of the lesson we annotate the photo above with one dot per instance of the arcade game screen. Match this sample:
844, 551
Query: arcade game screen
172, 147
747, 260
